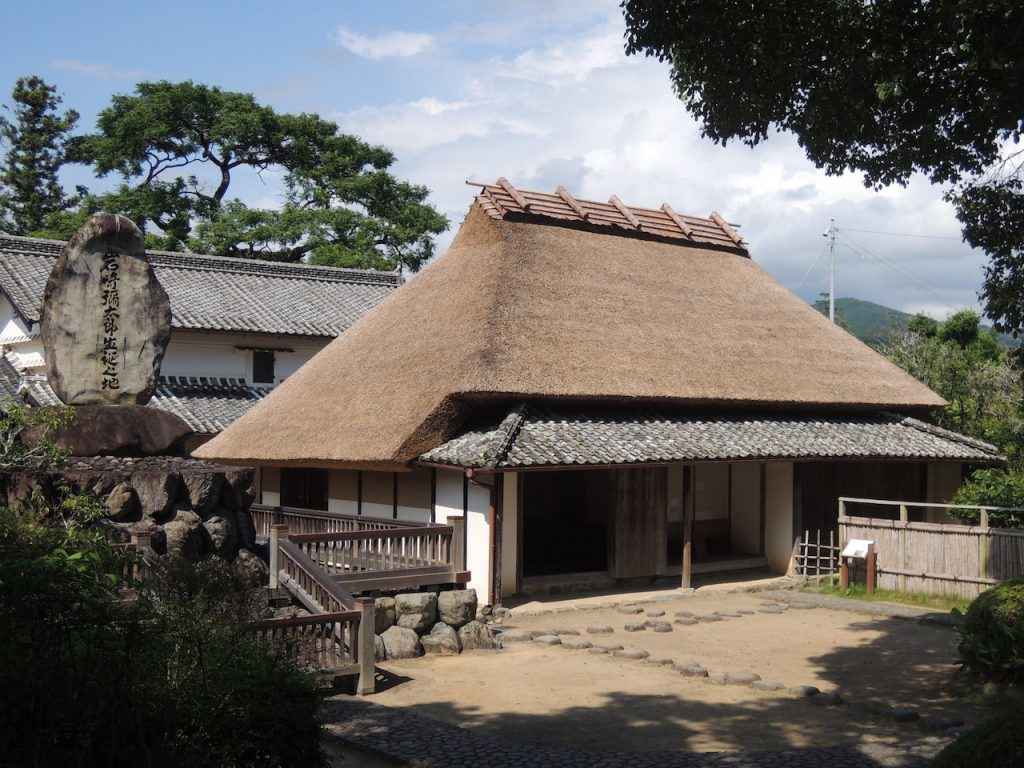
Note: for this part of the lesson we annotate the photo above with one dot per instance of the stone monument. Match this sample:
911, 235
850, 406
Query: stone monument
105, 320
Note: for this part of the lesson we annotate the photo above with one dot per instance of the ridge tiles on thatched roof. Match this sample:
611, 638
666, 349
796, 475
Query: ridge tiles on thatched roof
502, 199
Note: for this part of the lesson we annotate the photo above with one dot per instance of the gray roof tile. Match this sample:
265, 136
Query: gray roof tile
537, 435
220, 294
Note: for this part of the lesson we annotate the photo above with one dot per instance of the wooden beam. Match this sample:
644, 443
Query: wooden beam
514, 193
764, 509
688, 515
685, 228
572, 202
626, 212
731, 233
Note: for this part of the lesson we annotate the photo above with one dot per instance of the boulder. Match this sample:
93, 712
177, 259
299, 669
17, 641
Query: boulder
221, 531
416, 611
401, 643
443, 640
121, 505
203, 490
252, 568
383, 614
105, 319
157, 492
122, 430
157, 536
245, 528
184, 536
476, 636
457, 607
379, 651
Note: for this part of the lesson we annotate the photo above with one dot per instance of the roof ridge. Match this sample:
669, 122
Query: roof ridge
934, 429
508, 430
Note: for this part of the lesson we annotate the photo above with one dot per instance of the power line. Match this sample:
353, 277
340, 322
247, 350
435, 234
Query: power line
902, 234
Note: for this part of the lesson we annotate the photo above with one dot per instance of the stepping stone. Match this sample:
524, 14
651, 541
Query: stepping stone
548, 640
691, 669
868, 707
539, 633
802, 606
684, 615
560, 632
632, 655
900, 715
745, 612
687, 621
631, 609
767, 685
741, 678
635, 627
826, 699
655, 614
804, 691
771, 609
576, 645
717, 679
711, 617
658, 661
609, 647
772, 603
729, 614
937, 724
515, 635
963, 730
600, 629
597, 649
661, 626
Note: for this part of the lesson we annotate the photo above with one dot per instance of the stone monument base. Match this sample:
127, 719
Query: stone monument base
120, 430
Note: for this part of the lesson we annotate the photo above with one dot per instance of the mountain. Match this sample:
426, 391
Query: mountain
873, 323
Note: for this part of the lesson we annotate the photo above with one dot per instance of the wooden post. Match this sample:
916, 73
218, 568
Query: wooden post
688, 507
458, 525
278, 533
983, 548
844, 574
904, 519
365, 648
141, 540
842, 525
870, 565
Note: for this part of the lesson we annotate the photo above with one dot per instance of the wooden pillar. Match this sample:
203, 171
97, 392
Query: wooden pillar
904, 519
689, 506
365, 646
763, 510
983, 549
497, 515
458, 525
870, 565
394, 495
359, 492
433, 494
278, 533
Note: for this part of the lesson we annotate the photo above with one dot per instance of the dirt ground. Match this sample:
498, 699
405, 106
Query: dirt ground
556, 696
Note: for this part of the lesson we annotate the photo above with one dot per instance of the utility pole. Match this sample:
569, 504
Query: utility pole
831, 235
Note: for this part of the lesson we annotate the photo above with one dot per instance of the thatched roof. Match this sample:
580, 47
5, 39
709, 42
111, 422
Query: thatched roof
524, 307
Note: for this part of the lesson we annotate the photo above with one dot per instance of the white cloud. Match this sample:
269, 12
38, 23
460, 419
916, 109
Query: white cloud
385, 45
98, 69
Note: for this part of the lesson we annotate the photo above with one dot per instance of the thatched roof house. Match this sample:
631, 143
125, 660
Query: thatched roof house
564, 334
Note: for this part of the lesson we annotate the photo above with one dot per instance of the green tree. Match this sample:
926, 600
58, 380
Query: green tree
36, 138
177, 148
885, 89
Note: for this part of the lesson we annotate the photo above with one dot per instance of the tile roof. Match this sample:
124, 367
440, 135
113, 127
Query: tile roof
501, 199
207, 404
214, 293
537, 436
10, 381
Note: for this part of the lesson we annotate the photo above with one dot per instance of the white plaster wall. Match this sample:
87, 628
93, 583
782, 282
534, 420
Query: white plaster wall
478, 531
12, 329
270, 486
378, 494
746, 508
712, 491
192, 353
342, 491
944, 478
510, 535
779, 515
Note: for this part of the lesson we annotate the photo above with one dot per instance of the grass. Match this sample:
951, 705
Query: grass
920, 599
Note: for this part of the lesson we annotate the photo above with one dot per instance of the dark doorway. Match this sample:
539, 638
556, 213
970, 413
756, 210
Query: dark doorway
565, 522
304, 488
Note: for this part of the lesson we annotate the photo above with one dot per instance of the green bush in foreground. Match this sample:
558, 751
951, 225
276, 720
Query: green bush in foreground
996, 743
991, 642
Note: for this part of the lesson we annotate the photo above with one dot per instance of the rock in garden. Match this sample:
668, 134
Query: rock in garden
380, 653
416, 611
899, 715
804, 691
457, 607
574, 644
658, 661
600, 629
609, 647
597, 650
741, 678
548, 640
635, 627
251, 568
442, 641
772, 609
221, 532
515, 636
120, 505
476, 636
767, 685
156, 492
184, 535
661, 626
499, 615
745, 612
105, 320
632, 655
631, 609
203, 490
935, 724
691, 669
563, 631
711, 617
383, 614
868, 707
401, 643
826, 699
684, 615
716, 679
687, 621
655, 614
729, 614
245, 528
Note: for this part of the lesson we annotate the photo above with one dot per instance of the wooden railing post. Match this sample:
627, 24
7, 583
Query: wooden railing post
365, 648
458, 525
904, 519
983, 548
278, 533
842, 525
141, 540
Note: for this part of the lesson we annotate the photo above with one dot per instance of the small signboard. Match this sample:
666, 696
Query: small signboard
857, 548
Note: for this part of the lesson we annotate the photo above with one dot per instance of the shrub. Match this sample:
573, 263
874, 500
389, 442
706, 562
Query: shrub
992, 488
991, 633
996, 743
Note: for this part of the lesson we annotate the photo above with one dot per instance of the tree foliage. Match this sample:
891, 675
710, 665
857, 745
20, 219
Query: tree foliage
886, 89
179, 147
35, 138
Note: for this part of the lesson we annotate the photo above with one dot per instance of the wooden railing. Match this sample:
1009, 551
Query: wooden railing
317, 521
302, 577
935, 557
138, 567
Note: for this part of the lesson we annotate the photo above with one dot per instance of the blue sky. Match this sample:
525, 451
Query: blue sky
540, 92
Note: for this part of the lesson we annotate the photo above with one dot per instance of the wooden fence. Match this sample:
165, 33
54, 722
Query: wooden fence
317, 521
939, 558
